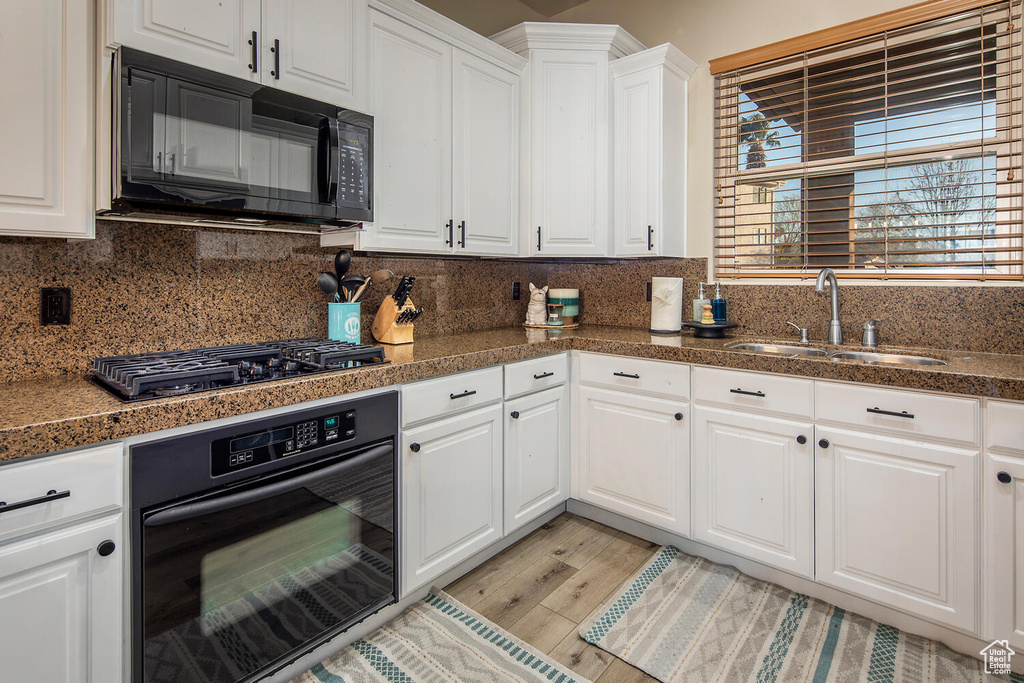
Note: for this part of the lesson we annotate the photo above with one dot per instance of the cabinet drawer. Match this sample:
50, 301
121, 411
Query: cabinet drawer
655, 378
92, 478
533, 375
449, 395
754, 391
1004, 426
910, 413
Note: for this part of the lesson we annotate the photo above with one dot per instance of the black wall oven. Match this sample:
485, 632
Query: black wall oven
254, 543
195, 141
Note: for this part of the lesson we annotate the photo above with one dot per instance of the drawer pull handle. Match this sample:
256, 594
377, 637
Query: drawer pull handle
52, 494
414, 447
626, 374
106, 548
824, 443
1004, 477
464, 394
801, 439
759, 394
514, 414
543, 375
878, 411
679, 417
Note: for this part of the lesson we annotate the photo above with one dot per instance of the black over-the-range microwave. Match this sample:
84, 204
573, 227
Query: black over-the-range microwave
191, 142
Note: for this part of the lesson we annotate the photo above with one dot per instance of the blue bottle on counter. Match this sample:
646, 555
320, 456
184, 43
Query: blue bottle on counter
718, 305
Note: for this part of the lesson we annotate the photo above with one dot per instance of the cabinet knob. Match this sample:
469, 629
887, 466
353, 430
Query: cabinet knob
678, 416
414, 447
801, 439
824, 443
106, 548
1004, 477
514, 414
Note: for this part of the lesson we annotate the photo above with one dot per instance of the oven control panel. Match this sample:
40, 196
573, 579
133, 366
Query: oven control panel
239, 451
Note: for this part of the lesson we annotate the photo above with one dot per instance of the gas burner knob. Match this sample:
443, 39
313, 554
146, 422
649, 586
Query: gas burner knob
291, 366
244, 365
256, 371
273, 362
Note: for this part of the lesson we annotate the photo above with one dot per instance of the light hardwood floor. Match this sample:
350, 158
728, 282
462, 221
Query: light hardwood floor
544, 586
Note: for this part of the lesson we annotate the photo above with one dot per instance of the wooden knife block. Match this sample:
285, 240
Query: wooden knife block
384, 328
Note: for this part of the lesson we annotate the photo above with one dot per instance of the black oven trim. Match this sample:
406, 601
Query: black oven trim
377, 415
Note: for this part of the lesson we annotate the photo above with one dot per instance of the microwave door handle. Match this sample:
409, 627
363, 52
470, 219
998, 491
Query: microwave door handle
232, 500
329, 163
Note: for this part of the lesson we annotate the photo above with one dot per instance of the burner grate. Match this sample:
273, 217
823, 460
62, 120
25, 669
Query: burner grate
169, 373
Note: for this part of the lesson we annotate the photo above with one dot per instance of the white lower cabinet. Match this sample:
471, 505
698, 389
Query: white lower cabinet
451, 492
753, 487
896, 522
633, 456
61, 602
1005, 478
536, 455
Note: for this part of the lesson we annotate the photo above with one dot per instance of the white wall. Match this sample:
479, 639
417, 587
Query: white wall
704, 30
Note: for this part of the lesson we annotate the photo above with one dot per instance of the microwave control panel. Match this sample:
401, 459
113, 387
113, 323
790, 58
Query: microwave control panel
237, 452
353, 185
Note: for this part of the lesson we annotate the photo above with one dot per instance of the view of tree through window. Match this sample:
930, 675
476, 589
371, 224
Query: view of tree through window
896, 155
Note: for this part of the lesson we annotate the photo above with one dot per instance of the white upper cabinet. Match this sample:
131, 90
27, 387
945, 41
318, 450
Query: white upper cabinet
46, 187
649, 93
485, 157
411, 101
319, 48
567, 118
314, 48
446, 136
217, 36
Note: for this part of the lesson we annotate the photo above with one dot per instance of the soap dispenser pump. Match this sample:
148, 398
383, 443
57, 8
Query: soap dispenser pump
699, 303
718, 304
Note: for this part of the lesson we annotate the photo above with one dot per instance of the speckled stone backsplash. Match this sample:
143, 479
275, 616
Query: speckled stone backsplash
146, 287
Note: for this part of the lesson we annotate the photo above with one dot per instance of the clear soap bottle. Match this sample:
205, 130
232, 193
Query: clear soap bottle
699, 303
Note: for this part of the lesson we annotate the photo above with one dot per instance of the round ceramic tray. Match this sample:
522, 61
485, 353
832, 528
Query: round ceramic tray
572, 326
713, 331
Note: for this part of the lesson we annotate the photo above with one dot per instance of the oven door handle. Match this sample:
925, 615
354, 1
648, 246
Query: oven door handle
226, 502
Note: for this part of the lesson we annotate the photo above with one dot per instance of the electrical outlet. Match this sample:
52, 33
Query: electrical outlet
55, 306
515, 291
648, 291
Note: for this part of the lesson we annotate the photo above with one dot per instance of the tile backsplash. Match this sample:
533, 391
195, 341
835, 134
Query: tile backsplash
142, 287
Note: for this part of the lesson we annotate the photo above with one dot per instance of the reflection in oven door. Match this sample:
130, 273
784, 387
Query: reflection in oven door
230, 588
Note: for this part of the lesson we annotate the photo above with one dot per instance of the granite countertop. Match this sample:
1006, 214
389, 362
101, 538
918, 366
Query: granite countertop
41, 416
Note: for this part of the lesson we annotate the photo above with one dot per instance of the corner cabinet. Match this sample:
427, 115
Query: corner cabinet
446, 131
314, 48
47, 133
649, 91
567, 123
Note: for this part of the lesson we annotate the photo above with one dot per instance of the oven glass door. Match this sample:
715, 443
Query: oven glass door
235, 581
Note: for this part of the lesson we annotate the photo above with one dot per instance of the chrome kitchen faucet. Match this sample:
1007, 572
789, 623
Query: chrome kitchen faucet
835, 330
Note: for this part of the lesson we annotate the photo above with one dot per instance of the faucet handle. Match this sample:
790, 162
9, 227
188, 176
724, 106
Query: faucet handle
872, 324
870, 337
805, 334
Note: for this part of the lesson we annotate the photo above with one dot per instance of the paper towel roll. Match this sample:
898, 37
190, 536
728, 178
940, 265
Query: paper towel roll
666, 304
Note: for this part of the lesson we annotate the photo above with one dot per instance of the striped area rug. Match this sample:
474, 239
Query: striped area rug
438, 640
683, 618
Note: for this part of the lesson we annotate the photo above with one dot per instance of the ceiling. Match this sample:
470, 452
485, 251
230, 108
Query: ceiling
550, 8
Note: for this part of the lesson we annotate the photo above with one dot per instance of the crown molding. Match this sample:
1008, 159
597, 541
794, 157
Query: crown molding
667, 55
442, 27
536, 35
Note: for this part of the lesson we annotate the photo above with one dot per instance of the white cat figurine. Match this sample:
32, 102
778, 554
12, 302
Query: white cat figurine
537, 313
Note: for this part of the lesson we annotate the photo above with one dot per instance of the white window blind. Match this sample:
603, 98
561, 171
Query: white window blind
896, 155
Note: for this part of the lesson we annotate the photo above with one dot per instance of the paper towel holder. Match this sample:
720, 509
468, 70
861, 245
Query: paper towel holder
666, 305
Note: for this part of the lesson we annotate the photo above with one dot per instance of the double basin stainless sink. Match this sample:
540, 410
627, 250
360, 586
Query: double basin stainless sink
866, 357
